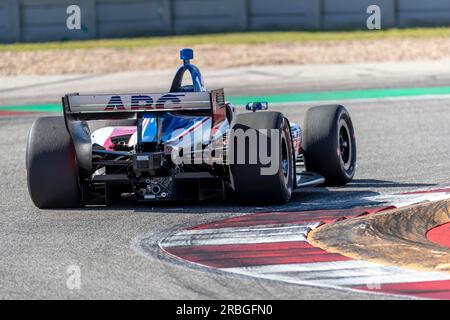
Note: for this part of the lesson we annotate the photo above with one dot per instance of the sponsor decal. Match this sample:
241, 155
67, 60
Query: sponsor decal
146, 102
115, 103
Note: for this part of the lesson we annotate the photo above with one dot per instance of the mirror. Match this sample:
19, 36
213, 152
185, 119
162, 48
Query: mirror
255, 106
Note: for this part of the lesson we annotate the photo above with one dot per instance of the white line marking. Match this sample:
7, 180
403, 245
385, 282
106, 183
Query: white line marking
250, 235
397, 200
403, 200
338, 274
304, 267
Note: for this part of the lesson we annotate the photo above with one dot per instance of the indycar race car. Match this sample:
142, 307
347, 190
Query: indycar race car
188, 143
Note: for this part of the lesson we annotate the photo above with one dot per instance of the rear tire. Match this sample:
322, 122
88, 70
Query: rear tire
250, 185
329, 145
52, 171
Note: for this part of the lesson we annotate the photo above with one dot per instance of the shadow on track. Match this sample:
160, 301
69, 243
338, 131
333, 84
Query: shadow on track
316, 198
372, 183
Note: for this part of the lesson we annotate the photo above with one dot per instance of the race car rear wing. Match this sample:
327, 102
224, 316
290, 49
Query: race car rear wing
104, 106
81, 108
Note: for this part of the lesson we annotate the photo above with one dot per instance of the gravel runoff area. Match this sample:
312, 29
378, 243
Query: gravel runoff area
106, 60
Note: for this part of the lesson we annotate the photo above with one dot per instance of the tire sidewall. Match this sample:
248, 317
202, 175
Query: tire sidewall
321, 145
288, 184
343, 118
52, 171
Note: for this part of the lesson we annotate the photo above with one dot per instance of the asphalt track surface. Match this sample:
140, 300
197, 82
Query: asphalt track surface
402, 145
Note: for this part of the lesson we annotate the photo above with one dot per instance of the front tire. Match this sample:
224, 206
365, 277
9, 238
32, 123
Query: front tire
251, 182
329, 145
52, 171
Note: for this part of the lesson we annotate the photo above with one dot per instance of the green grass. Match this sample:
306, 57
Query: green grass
232, 38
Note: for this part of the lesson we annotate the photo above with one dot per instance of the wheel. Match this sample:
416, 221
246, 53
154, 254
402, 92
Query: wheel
251, 180
52, 172
329, 146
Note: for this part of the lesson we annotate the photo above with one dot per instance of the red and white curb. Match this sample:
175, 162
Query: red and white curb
11, 113
274, 246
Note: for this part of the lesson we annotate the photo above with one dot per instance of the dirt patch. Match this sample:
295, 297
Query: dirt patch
395, 237
50, 62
